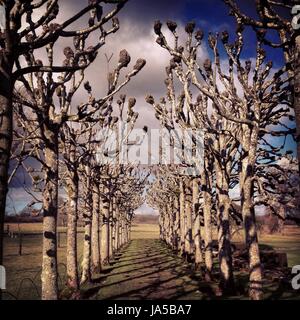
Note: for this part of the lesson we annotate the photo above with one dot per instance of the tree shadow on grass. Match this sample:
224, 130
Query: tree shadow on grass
150, 270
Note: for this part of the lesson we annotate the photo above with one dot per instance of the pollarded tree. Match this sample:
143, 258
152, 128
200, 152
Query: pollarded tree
121, 193
98, 182
158, 197
167, 197
253, 111
28, 27
220, 140
71, 161
281, 17
173, 117
101, 119
129, 197
50, 101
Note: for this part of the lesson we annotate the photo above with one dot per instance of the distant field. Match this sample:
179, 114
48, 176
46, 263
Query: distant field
145, 219
144, 231
288, 241
30, 228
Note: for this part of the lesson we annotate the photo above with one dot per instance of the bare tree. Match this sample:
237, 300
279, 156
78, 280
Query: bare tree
277, 16
100, 188
53, 114
249, 115
19, 42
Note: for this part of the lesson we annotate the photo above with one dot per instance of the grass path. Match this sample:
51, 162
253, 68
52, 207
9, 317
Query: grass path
147, 269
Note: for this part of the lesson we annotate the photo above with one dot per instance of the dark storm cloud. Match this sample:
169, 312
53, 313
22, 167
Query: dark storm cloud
146, 11
137, 37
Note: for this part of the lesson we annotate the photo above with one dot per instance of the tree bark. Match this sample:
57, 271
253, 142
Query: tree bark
105, 230
111, 226
86, 261
168, 227
163, 224
297, 94
250, 139
206, 192
6, 127
126, 230
50, 202
72, 266
122, 230
223, 207
182, 213
197, 224
117, 229
171, 222
188, 213
255, 286
177, 223
96, 261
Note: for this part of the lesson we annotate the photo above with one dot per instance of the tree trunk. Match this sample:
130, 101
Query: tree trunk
223, 207
161, 225
50, 202
86, 260
250, 139
255, 286
188, 213
126, 232
96, 261
168, 213
122, 230
177, 223
105, 229
171, 222
197, 224
117, 229
72, 267
206, 192
111, 226
129, 228
6, 127
182, 213
297, 95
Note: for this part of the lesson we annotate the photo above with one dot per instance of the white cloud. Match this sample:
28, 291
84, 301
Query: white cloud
2, 17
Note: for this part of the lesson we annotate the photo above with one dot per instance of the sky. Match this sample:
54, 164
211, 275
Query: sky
137, 37
2, 17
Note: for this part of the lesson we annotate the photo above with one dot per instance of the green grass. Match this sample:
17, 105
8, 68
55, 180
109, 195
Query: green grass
145, 270
292, 249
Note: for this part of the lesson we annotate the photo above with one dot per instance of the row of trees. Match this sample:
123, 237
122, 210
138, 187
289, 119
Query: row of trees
61, 144
241, 105
244, 109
